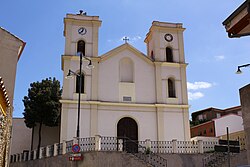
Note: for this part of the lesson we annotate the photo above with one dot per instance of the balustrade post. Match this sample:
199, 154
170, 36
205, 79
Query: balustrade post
75, 140
64, 147
47, 151
98, 139
21, 157
29, 155
174, 142
148, 144
24, 156
14, 159
34, 155
200, 146
55, 150
41, 153
120, 144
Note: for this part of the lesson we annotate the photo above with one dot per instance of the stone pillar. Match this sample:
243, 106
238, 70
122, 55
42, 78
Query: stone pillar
245, 108
64, 147
174, 143
120, 144
40, 152
200, 146
34, 155
47, 151
29, 155
55, 150
75, 140
97, 142
148, 145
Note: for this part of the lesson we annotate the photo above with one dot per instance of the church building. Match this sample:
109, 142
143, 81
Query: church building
127, 93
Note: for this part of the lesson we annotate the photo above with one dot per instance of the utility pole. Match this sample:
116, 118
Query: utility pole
228, 148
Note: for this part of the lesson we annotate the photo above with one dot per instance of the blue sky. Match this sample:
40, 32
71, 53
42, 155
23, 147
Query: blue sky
211, 55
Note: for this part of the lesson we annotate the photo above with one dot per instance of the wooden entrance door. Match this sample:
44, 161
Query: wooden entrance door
127, 128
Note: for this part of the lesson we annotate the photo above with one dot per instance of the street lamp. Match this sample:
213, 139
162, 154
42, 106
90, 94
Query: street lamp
239, 71
70, 75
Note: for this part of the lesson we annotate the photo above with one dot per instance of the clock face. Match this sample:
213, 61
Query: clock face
168, 37
82, 31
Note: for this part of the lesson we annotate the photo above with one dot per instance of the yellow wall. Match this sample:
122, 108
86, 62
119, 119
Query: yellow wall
239, 136
3, 104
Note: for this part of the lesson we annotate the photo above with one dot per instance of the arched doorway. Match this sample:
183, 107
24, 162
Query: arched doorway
127, 128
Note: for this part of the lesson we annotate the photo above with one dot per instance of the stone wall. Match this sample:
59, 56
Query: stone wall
121, 159
245, 104
91, 159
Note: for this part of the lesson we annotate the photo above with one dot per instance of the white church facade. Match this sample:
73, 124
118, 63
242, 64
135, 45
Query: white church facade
127, 93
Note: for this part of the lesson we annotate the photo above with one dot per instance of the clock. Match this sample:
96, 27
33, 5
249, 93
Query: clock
82, 31
168, 37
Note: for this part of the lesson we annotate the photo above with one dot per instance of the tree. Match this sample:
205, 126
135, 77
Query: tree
42, 105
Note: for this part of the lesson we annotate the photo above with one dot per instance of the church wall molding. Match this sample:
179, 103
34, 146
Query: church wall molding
183, 106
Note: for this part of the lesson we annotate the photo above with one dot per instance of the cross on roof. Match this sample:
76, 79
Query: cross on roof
126, 39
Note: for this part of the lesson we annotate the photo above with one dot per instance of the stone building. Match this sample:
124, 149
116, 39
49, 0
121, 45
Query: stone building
11, 48
127, 93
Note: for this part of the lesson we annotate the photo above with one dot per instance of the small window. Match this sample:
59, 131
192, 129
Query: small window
81, 47
205, 132
127, 98
169, 55
78, 83
171, 88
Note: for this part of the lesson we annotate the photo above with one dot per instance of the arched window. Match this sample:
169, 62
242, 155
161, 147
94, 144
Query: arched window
171, 87
126, 70
81, 47
78, 84
169, 55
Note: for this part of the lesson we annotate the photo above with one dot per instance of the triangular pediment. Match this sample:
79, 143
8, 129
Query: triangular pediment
122, 48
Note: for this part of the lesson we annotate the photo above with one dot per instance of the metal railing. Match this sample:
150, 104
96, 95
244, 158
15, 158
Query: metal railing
133, 147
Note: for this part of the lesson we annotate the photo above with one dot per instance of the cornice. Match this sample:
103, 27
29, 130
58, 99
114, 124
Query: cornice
170, 64
182, 106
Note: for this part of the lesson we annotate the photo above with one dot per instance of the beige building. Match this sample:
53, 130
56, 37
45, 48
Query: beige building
237, 25
21, 136
11, 48
127, 93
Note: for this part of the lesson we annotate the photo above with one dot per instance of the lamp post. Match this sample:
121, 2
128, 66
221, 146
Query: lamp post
239, 71
69, 75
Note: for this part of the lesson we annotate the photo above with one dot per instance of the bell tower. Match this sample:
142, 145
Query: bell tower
165, 42
81, 34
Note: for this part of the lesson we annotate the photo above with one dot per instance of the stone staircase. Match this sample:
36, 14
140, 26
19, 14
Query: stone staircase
214, 160
144, 154
221, 159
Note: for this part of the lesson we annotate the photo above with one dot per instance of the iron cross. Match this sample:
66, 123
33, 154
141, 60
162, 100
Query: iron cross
126, 39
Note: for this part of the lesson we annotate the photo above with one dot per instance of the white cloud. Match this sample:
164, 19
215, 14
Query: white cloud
198, 85
195, 95
219, 58
131, 39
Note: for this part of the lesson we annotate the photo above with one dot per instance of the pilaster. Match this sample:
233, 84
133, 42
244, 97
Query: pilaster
93, 120
186, 125
94, 81
158, 83
160, 124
